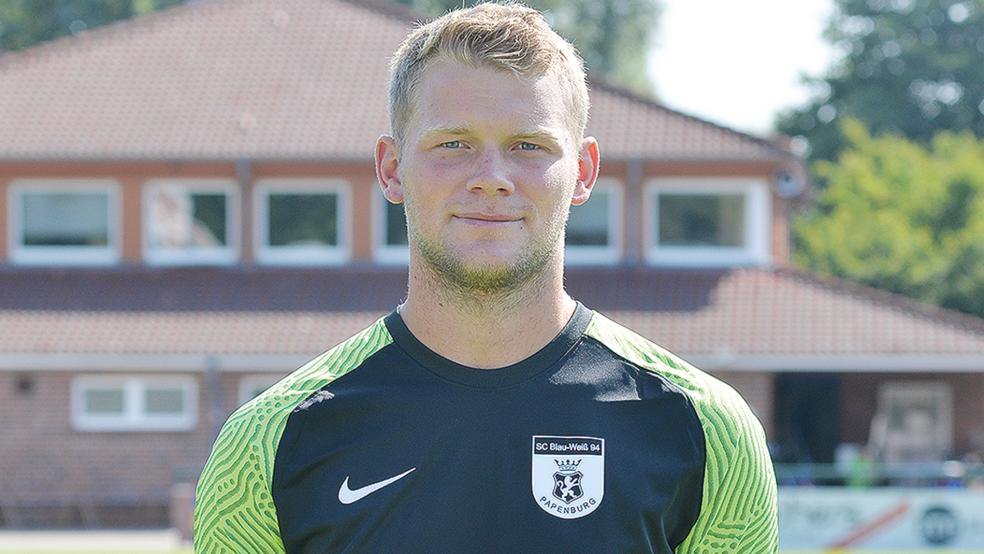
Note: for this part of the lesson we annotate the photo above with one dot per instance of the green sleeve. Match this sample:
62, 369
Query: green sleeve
738, 509
234, 507
738, 504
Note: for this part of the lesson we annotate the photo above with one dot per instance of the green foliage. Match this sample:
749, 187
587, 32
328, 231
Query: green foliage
902, 217
27, 22
909, 67
613, 36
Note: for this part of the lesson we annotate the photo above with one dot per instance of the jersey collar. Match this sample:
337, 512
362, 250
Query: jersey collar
543, 359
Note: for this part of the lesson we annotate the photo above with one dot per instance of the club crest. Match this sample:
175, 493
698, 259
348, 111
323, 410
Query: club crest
568, 474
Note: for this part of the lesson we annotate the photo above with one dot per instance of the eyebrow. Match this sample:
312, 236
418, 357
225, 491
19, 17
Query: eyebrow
536, 134
453, 131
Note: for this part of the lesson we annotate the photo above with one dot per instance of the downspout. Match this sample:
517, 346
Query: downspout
632, 231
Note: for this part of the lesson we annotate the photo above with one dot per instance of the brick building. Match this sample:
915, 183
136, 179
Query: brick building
188, 211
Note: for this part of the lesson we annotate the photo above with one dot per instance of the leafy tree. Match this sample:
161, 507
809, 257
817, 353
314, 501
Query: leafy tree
27, 22
910, 67
902, 217
613, 36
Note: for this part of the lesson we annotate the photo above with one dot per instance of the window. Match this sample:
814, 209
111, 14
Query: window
707, 221
250, 387
63, 221
914, 421
302, 221
190, 221
391, 244
698, 220
147, 403
594, 228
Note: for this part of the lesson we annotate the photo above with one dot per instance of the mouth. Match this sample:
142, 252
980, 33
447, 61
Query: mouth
475, 218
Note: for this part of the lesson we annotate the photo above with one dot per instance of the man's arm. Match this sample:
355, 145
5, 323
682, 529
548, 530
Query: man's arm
739, 508
234, 510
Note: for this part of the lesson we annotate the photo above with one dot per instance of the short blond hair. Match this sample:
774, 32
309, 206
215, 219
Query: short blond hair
510, 37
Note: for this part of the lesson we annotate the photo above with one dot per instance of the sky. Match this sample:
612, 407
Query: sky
737, 63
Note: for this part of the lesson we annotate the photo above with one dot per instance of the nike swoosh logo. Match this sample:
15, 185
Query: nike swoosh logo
348, 496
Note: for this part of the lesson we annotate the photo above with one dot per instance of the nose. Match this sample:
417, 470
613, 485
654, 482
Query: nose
490, 176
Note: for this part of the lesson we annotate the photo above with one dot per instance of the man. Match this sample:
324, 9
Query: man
490, 412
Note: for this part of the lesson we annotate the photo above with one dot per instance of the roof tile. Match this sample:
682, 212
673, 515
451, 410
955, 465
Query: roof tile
181, 311
266, 79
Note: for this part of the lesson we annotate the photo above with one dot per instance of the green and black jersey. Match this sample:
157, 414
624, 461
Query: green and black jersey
600, 442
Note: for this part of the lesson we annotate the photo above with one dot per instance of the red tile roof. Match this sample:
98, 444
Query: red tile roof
267, 79
746, 312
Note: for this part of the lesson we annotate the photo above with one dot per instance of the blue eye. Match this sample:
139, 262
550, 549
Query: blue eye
451, 144
529, 146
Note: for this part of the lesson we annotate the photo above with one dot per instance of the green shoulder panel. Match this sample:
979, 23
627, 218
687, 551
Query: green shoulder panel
738, 510
234, 510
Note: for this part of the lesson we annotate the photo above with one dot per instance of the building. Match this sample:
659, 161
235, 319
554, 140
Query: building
188, 211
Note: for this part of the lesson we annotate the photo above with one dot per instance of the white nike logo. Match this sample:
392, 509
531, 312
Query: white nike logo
348, 496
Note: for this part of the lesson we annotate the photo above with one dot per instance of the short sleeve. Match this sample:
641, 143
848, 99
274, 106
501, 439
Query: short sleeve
739, 507
234, 509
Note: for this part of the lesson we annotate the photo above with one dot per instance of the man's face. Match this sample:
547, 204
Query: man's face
488, 170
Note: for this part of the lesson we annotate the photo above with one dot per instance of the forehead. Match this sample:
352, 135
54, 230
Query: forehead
453, 94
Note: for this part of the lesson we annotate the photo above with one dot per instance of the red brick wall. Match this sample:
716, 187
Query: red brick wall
47, 463
859, 401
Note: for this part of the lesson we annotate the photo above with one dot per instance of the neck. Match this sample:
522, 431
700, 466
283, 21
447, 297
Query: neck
486, 329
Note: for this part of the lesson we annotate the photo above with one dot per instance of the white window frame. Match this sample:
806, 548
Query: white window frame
252, 382
904, 392
756, 250
603, 255
225, 255
134, 417
385, 253
63, 255
301, 255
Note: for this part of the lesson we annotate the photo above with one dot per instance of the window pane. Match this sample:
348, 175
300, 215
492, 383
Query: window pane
164, 401
396, 225
210, 213
183, 219
701, 220
303, 219
588, 223
104, 401
65, 219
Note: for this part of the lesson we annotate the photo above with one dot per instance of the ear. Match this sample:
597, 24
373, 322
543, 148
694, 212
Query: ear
388, 169
588, 162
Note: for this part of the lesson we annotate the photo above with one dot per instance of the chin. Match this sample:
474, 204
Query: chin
485, 272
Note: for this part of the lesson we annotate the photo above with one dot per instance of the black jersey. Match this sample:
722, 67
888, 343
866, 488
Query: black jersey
601, 441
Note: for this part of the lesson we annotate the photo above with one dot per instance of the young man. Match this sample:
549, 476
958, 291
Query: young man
490, 412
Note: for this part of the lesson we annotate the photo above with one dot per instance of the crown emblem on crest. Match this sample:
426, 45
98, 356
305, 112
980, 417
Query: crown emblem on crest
567, 466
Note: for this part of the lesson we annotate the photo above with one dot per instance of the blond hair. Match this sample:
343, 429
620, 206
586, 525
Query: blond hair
509, 37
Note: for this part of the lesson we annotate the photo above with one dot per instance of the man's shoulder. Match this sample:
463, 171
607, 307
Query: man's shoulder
711, 397
737, 462
297, 386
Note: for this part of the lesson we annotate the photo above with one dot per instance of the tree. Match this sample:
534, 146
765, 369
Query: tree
613, 36
909, 67
27, 22
902, 217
